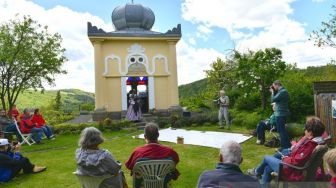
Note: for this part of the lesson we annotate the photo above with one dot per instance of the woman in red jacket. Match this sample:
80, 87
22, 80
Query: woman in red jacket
297, 155
27, 126
39, 122
14, 112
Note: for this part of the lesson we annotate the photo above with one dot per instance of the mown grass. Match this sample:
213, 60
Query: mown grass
58, 156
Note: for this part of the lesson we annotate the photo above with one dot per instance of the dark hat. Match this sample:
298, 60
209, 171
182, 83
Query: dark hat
277, 82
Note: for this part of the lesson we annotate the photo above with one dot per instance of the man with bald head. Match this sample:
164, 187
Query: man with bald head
227, 172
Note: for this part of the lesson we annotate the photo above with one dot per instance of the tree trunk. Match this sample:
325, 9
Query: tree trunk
263, 98
3, 102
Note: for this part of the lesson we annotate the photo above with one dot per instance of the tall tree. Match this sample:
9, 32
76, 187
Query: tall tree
326, 35
29, 57
257, 70
221, 74
58, 102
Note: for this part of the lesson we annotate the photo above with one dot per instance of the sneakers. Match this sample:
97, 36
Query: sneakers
252, 172
260, 142
38, 169
52, 137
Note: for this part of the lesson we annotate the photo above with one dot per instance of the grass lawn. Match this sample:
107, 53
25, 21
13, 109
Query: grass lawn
58, 156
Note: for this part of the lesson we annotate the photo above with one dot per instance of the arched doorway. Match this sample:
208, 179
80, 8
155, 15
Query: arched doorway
138, 85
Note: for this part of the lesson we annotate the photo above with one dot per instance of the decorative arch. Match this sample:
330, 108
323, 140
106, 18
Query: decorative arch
165, 60
113, 57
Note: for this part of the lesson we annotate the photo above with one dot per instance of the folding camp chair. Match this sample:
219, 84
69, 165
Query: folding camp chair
309, 169
26, 137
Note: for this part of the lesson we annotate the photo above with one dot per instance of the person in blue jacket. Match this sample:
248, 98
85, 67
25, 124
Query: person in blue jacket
280, 97
12, 162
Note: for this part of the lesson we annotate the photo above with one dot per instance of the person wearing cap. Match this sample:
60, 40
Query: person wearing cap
280, 97
223, 112
8, 125
12, 162
268, 124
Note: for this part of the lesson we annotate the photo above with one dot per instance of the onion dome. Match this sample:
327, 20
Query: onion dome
133, 16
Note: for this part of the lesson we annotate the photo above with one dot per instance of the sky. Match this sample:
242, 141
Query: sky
210, 29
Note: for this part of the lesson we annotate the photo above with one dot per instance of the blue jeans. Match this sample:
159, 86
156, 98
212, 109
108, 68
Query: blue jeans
12, 128
266, 167
262, 126
37, 134
284, 152
47, 131
284, 138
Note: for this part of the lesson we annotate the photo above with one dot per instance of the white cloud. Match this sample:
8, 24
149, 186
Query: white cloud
191, 61
203, 32
232, 14
192, 41
258, 24
73, 28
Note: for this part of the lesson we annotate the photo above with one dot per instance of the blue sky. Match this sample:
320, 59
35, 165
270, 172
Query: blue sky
210, 28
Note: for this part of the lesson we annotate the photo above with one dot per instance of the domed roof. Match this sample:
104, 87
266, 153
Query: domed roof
133, 16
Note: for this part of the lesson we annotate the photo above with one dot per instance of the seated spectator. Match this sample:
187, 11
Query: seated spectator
27, 126
39, 122
297, 155
8, 125
14, 113
268, 124
330, 160
12, 162
153, 150
228, 173
93, 161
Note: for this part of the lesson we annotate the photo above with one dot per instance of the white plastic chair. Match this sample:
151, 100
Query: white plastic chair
153, 172
91, 181
26, 138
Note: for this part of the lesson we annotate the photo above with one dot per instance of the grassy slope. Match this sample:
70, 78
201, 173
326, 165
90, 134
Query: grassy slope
32, 99
193, 88
58, 155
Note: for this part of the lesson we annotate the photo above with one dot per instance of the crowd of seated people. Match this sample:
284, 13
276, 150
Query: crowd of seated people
26, 122
227, 172
297, 155
94, 161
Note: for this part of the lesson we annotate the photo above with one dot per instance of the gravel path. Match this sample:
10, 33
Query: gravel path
81, 119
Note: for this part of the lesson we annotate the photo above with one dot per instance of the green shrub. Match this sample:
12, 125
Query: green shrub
162, 122
87, 106
246, 119
295, 129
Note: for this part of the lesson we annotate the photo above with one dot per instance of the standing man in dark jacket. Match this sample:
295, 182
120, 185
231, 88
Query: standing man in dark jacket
227, 172
281, 98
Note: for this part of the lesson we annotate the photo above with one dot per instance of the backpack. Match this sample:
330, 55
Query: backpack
273, 143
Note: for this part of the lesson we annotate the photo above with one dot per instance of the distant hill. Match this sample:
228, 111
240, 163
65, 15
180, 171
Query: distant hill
70, 98
192, 89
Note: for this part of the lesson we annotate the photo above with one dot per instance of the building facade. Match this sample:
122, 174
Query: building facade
134, 59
